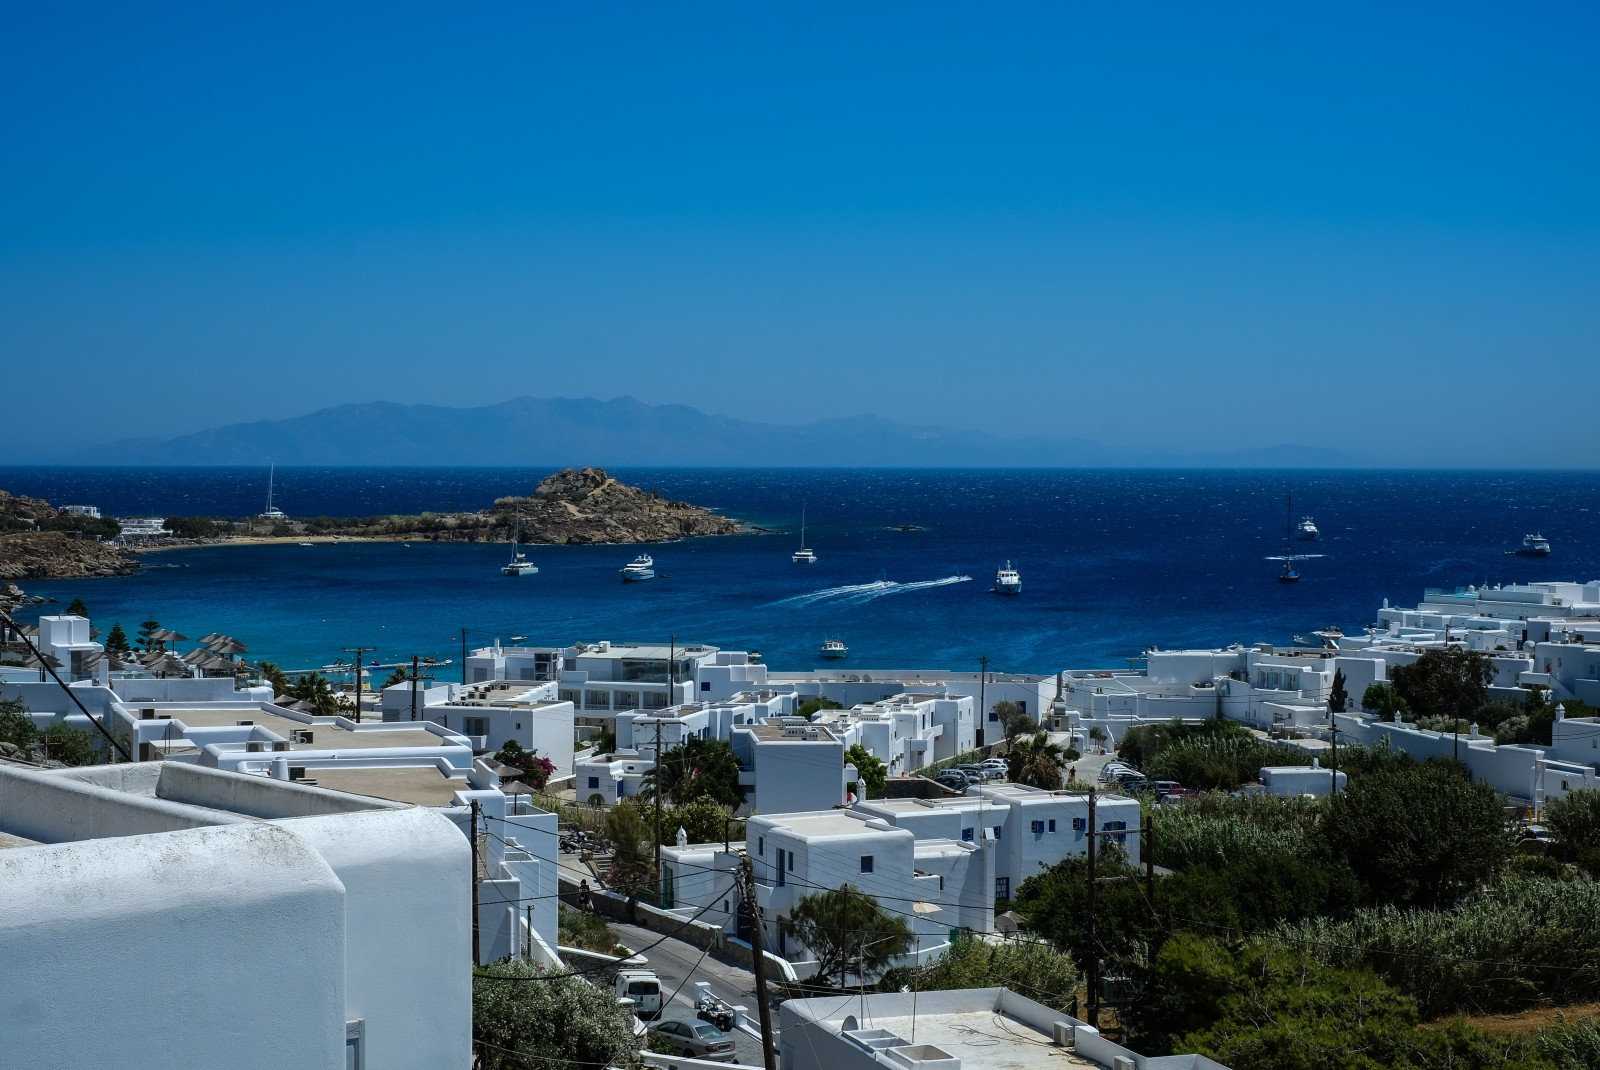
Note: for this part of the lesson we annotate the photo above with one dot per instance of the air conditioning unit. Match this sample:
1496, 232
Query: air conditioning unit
147, 714
297, 772
255, 746
279, 744
300, 735
243, 724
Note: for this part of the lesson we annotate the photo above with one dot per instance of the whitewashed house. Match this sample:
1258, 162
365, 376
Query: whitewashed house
614, 777
790, 766
242, 922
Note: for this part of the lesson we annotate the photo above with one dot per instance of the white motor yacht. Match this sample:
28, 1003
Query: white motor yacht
1534, 546
833, 648
1007, 580
1306, 530
642, 567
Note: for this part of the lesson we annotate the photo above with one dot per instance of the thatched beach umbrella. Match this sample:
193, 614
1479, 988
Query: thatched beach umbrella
227, 644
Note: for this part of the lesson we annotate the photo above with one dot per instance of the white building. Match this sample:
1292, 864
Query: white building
241, 921
906, 732
1301, 779
973, 1028
142, 527
614, 777
1031, 691
790, 766
492, 714
936, 885
91, 512
67, 638
1026, 829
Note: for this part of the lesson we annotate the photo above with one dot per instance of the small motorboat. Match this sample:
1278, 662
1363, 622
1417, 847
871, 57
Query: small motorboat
1007, 580
642, 567
833, 648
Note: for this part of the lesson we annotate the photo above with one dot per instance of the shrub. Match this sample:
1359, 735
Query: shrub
524, 1019
1034, 969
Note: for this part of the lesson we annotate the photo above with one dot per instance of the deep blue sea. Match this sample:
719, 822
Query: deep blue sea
1112, 561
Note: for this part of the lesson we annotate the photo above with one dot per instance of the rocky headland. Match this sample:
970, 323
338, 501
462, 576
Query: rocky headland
584, 505
27, 552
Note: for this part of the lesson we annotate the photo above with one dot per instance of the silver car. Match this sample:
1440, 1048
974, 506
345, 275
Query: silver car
694, 1039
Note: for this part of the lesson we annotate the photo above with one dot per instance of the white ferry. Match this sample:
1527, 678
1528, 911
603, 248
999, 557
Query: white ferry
1007, 580
1306, 530
642, 567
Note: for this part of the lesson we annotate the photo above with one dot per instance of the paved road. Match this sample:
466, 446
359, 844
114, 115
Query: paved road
680, 964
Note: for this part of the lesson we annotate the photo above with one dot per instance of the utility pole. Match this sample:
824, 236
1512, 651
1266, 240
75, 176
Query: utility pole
660, 770
1333, 785
672, 672
413, 687
1093, 958
463, 656
748, 890
476, 961
1147, 846
983, 678
358, 651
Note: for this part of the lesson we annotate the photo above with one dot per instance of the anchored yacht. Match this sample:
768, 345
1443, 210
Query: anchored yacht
519, 565
1007, 580
642, 567
804, 556
274, 515
1533, 546
833, 648
1306, 530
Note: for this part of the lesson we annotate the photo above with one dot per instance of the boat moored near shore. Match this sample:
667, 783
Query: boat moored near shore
642, 567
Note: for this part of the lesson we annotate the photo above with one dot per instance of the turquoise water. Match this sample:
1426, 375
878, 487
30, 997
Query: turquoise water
1111, 561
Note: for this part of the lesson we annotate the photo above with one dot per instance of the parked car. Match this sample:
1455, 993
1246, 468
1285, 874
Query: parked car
955, 781
981, 773
1165, 787
694, 1039
994, 763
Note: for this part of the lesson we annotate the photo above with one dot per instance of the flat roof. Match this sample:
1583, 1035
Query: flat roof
422, 785
776, 733
324, 736
820, 823
991, 1039
655, 651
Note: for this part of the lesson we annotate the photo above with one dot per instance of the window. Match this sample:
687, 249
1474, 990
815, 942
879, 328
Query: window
479, 675
1052, 824
705, 685
1037, 828
780, 869
866, 863
791, 861
1002, 887
1112, 826
993, 716
355, 1035
594, 782
997, 829
475, 726
761, 845
966, 835
1080, 824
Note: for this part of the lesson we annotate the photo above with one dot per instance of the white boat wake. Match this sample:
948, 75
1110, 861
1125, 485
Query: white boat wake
861, 593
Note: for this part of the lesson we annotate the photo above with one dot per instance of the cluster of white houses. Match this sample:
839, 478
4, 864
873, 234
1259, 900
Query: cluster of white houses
294, 838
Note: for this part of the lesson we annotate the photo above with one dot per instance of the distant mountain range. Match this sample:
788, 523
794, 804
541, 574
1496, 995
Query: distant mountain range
624, 431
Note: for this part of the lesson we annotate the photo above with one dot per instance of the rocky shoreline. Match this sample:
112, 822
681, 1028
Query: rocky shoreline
574, 507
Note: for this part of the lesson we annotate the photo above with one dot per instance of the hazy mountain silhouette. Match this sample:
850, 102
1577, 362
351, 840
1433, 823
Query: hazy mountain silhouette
625, 431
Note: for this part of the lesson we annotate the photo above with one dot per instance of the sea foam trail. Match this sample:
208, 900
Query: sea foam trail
830, 593
861, 593
891, 587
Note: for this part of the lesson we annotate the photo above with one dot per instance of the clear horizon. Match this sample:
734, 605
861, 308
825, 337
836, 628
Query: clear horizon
1342, 227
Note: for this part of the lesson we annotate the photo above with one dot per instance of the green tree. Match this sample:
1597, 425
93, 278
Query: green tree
400, 676
1338, 697
70, 746
1416, 834
314, 690
1384, 700
633, 860
117, 641
275, 676
1257, 1006
847, 932
1448, 682
1574, 820
873, 774
76, 608
16, 727
1014, 719
146, 630
697, 768
525, 1019
815, 705
191, 527
1030, 967
1036, 762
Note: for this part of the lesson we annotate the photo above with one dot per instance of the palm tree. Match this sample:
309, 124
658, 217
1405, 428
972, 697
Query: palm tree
1037, 762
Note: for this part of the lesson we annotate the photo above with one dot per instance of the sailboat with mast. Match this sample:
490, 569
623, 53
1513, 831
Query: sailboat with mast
519, 565
804, 556
1289, 574
276, 516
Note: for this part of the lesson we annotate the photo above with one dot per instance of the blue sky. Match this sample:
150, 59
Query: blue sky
1344, 225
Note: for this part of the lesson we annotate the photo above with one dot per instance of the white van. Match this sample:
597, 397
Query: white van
643, 989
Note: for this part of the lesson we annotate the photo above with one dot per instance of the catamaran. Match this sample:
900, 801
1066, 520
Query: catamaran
804, 556
519, 565
642, 567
